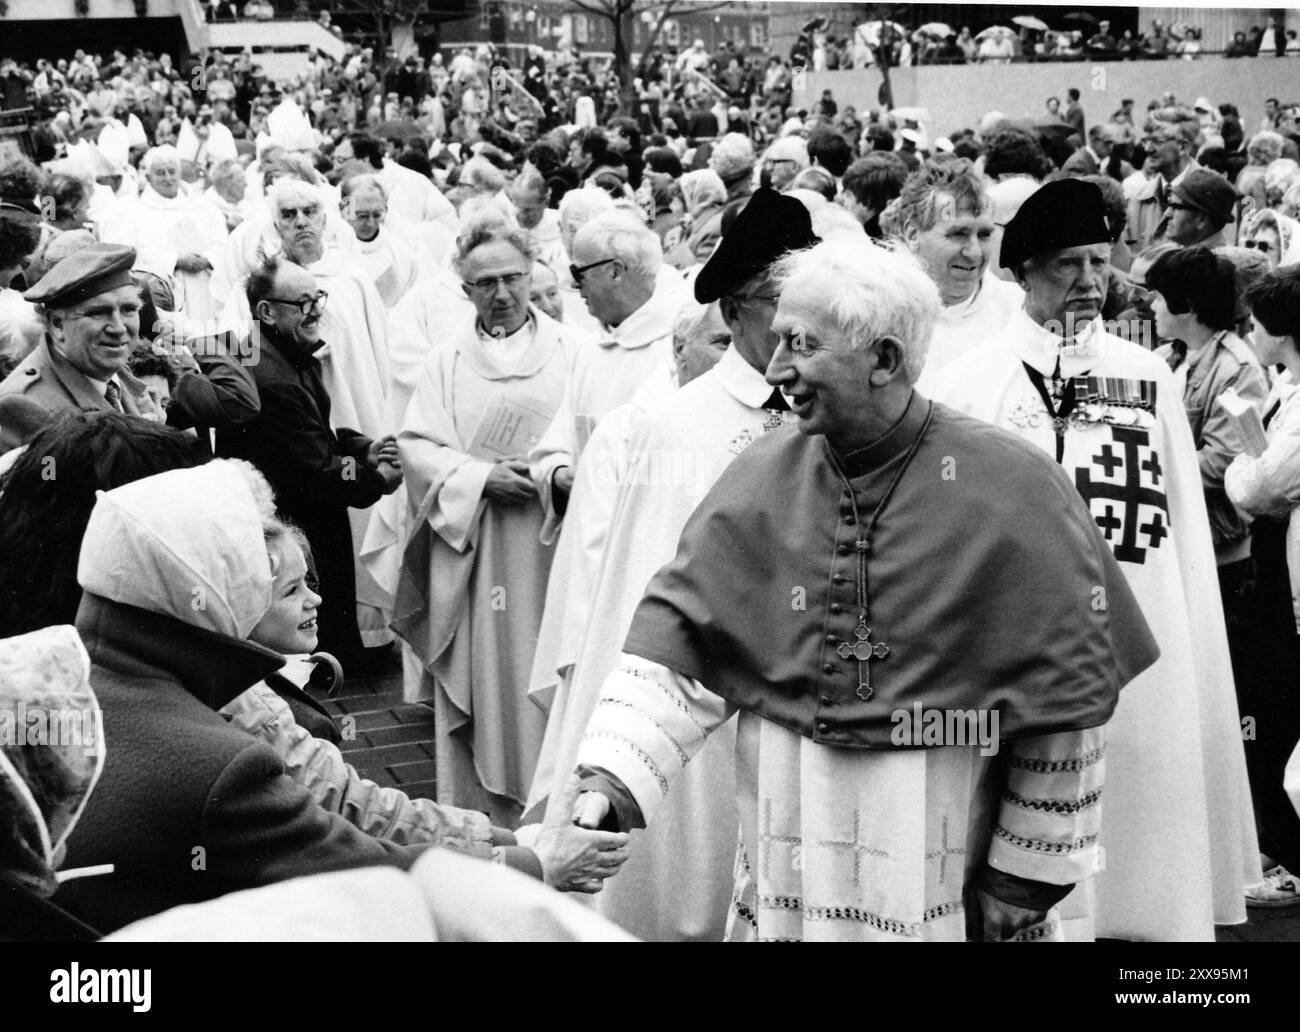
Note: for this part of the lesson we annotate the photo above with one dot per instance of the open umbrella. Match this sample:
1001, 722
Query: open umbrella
1083, 16
994, 30
870, 31
938, 29
1051, 126
813, 25
1028, 21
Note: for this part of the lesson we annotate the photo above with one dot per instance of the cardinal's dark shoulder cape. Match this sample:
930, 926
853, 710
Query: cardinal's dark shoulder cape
987, 579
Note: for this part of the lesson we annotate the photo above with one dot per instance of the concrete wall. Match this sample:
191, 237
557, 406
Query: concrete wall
959, 96
44, 10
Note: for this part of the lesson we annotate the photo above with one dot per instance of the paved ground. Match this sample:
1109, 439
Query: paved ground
394, 742
394, 746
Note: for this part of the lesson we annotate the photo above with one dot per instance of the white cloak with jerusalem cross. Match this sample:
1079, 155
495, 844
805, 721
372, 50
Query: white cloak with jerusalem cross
677, 884
1179, 832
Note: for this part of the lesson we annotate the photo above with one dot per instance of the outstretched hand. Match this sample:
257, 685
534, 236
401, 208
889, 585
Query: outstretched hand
574, 858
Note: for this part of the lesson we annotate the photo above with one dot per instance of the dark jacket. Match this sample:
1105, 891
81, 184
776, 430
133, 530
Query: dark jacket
189, 807
316, 472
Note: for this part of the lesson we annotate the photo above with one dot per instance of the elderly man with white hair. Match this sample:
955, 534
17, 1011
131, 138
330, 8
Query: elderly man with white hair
386, 248
858, 656
733, 160
176, 233
615, 263
782, 161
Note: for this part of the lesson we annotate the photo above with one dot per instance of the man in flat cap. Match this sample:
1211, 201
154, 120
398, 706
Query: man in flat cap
1201, 204
677, 449
844, 592
1179, 833
91, 308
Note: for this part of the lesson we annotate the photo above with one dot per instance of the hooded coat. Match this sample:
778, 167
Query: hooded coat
46, 780
175, 574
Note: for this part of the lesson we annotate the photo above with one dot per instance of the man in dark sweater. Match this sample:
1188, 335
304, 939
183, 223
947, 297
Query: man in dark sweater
317, 472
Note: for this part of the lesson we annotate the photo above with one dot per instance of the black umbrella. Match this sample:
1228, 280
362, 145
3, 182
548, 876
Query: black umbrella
814, 24
1083, 16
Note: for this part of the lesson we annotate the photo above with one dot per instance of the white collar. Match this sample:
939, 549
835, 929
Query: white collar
1040, 348
652, 321
741, 380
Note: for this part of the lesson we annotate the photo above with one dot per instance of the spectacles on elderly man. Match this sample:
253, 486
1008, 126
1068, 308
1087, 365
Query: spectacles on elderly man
489, 284
306, 305
577, 271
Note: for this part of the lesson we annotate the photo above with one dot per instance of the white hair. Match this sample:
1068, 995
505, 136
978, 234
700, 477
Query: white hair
732, 155
165, 153
352, 184
626, 238
870, 292
481, 176
829, 220
692, 318
577, 208
293, 192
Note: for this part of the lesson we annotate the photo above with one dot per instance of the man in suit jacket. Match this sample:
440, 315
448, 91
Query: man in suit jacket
1169, 146
91, 307
1090, 159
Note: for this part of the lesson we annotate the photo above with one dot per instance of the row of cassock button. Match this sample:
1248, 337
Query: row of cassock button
837, 608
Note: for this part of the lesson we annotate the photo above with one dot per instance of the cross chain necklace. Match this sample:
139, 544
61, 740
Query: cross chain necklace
863, 649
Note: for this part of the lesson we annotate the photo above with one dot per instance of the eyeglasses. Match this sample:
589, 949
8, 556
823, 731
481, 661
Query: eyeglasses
767, 299
489, 284
1259, 245
1175, 206
306, 305
576, 271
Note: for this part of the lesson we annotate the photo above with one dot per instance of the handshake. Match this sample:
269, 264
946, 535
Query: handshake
575, 857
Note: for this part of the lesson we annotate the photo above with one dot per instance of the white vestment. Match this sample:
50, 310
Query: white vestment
962, 327
389, 262
579, 554
474, 572
603, 377
856, 844
675, 452
1179, 831
415, 199
169, 227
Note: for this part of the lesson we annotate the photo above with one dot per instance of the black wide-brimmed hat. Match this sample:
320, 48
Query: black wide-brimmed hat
1066, 213
770, 225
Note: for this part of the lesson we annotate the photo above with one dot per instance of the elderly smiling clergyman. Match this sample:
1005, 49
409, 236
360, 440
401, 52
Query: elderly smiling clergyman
803, 602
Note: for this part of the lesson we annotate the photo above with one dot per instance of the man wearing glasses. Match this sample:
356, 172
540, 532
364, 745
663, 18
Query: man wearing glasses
782, 161
1169, 146
616, 262
385, 252
1201, 204
317, 472
679, 445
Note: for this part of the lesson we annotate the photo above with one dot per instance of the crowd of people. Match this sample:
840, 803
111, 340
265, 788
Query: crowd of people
800, 524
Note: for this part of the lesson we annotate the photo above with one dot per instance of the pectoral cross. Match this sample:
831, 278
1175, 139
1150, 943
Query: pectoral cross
863, 650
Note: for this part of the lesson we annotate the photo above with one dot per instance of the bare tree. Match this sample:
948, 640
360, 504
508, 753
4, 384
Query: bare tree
621, 16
